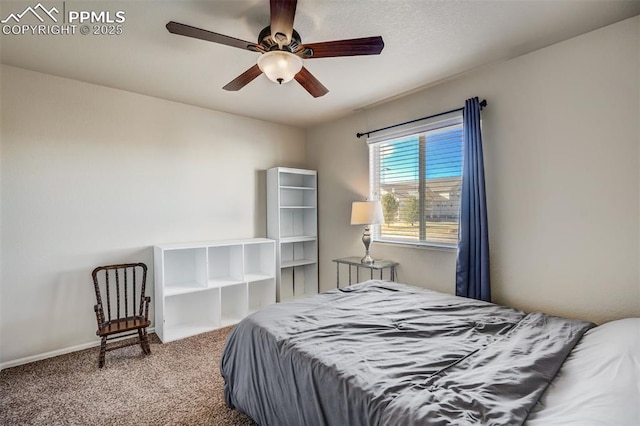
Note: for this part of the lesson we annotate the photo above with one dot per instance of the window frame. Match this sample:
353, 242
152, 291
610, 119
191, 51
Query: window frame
405, 132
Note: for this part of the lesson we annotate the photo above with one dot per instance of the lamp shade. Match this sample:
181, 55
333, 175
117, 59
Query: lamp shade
279, 66
366, 213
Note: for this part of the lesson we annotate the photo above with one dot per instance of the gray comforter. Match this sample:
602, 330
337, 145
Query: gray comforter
381, 353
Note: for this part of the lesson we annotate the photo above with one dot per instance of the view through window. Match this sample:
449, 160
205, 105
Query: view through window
418, 179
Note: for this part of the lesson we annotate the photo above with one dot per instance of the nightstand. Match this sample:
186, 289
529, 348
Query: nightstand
354, 261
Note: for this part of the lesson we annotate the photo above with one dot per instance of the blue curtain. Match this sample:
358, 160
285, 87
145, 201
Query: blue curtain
472, 266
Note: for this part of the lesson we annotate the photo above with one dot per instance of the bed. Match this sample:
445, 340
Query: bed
383, 353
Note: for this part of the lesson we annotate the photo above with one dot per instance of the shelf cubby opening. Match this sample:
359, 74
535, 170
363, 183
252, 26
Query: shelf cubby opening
298, 281
298, 222
297, 197
225, 265
285, 289
259, 261
297, 180
233, 304
191, 313
186, 270
261, 294
298, 253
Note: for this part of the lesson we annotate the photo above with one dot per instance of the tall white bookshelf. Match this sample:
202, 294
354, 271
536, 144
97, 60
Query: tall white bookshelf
203, 286
292, 221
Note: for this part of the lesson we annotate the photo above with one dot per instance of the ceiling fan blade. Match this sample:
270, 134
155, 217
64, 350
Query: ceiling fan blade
282, 14
189, 31
352, 47
310, 83
243, 79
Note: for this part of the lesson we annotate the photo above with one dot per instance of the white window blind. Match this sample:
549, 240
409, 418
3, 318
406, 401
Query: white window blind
416, 172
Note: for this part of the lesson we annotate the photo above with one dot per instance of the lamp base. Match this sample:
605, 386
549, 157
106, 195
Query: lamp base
367, 259
366, 239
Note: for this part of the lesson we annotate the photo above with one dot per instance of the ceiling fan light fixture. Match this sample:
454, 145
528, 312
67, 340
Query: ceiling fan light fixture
279, 66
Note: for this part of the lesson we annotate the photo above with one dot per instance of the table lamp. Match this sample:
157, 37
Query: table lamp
366, 213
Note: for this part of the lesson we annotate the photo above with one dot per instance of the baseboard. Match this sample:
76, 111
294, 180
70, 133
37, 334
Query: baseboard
39, 357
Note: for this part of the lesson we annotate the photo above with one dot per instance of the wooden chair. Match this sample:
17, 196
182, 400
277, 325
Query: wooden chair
125, 312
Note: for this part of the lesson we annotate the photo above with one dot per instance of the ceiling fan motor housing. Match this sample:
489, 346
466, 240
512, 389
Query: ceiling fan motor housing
269, 42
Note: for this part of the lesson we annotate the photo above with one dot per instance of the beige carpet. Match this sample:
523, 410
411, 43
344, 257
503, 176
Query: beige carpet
179, 384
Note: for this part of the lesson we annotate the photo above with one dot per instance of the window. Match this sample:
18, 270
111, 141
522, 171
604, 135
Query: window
417, 174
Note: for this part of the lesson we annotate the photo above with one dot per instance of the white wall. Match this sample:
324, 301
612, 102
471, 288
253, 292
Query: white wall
92, 176
561, 138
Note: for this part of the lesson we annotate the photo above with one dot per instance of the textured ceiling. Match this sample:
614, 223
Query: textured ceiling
425, 41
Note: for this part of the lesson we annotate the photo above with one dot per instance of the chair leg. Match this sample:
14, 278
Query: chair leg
144, 341
103, 349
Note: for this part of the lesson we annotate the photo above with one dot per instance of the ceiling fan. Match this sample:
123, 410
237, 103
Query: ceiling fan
281, 49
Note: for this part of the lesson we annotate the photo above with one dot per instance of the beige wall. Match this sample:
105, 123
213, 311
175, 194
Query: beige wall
561, 138
92, 175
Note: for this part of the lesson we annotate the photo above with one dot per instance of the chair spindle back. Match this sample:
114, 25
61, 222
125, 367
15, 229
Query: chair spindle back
117, 289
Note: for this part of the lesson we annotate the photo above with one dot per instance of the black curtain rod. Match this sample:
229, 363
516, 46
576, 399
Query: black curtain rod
483, 104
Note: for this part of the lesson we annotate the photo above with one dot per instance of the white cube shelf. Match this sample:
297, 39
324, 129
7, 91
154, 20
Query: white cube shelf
203, 286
